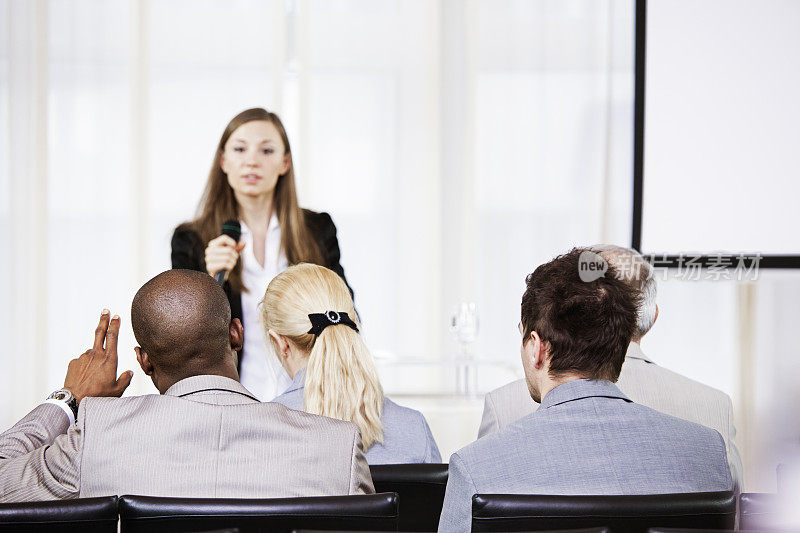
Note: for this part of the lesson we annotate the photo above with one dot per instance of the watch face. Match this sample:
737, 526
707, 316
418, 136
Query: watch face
62, 395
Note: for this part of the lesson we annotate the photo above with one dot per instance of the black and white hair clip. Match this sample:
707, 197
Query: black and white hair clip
320, 321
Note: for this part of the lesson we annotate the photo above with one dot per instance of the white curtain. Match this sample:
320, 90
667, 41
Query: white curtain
456, 143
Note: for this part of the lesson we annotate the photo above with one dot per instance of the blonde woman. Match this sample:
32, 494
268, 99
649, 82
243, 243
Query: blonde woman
308, 314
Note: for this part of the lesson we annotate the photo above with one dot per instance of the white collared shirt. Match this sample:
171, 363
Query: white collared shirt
261, 372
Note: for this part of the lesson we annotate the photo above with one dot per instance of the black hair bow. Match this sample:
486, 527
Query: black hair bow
320, 321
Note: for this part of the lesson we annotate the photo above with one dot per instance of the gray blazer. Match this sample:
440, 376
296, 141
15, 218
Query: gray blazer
406, 435
207, 436
587, 438
645, 383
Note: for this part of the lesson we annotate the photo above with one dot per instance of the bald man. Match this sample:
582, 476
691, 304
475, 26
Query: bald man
205, 435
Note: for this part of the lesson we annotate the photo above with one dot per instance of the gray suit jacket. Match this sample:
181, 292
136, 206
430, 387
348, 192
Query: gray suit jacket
644, 382
587, 438
207, 436
406, 435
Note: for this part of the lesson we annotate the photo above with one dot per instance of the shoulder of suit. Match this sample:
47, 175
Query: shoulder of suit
633, 367
406, 413
184, 233
113, 400
114, 405
389, 404
680, 425
316, 216
318, 221
510, 431
185, 230
486, 446
517, 388
308, 420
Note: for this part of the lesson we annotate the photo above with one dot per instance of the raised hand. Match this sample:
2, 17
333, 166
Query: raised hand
222, 254
94, 373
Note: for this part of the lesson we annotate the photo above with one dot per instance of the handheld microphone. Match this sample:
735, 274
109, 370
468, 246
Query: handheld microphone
232, 229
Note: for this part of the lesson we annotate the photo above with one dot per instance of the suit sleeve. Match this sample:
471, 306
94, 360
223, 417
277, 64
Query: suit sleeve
457, 509
39, 428
38, 465
187, 250
360, 476
489, 420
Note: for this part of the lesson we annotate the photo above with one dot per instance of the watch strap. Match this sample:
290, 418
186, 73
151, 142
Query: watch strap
66, 397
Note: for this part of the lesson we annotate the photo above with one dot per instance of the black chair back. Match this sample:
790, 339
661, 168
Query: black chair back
629, 514
688, 530
420, 488
178, 515
584, 530
92, 515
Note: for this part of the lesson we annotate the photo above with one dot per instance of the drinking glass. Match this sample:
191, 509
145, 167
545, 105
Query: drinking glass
464, 329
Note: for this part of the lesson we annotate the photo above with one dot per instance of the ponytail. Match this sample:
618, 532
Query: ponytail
342, 382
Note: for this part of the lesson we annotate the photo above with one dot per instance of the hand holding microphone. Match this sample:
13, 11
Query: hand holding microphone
222, 253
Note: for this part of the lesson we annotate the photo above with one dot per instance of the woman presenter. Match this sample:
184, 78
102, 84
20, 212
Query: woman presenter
252, 181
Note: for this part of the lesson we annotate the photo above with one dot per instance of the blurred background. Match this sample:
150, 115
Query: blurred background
457, 144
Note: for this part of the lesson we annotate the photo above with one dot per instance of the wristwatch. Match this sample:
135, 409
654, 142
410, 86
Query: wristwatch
64, 395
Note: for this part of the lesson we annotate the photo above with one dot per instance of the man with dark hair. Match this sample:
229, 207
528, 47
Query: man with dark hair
587, 437
641, 379
205, 435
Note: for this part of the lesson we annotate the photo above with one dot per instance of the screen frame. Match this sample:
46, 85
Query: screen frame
668, 260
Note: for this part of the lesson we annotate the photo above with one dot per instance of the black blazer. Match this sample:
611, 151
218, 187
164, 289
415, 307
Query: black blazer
188, 251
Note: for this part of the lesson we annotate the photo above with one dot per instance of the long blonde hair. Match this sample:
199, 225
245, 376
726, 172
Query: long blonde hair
218, 204
341, 378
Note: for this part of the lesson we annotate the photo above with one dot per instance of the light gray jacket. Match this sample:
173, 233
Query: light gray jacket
207, 436
645, 383
406, 435
586, 438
